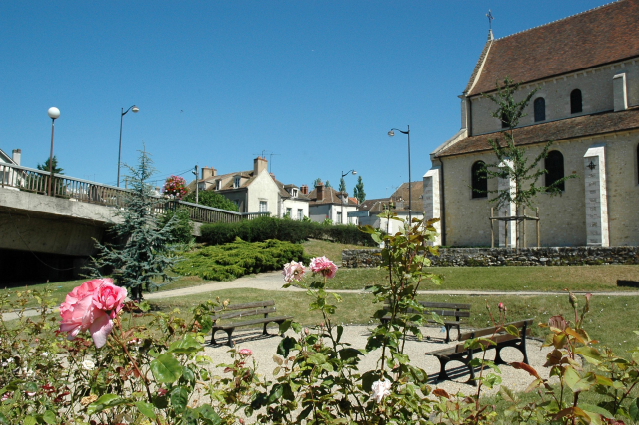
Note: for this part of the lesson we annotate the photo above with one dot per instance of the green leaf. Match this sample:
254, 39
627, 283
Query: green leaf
340, 331
146, 409
208, 414
179, 399
596, 409
590, 354
285, 325
276, 393
506, 394
285, 346
187, 345
633, 410
577, 383
512, 330
107, 400
144, 306
49, 417
29, 420
166, 369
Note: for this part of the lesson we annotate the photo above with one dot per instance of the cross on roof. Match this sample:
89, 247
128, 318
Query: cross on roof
490, 20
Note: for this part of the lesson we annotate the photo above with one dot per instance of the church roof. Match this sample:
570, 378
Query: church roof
571, 128
599, 36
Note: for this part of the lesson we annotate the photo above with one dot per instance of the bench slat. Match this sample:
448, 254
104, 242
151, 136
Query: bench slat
489, 331
255, 304
251, 322
244, 313
445, 305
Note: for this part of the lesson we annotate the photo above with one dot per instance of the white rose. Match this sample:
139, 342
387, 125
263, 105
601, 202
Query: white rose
88, 364
380, 390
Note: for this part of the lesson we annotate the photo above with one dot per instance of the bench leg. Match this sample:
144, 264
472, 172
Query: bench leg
522, 348
498, 359
230, 341
443, 376
447, 340
213, 337
264, 330
472, 380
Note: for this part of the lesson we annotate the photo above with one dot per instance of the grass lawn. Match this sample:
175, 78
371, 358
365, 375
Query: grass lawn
606, 313
576, 278
331, 250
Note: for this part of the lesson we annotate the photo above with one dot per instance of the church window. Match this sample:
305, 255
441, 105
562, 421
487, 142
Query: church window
575, 101
504, 120
479, 180
540, 109
554, 165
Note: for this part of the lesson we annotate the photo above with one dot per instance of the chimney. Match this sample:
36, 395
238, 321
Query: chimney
208, 172
304, 189
320, 191
17, 154
620, 94
259, 165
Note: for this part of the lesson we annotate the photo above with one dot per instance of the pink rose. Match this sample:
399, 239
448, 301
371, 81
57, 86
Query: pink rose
109, 297
323, 266
293, 271
245, 352
91, 306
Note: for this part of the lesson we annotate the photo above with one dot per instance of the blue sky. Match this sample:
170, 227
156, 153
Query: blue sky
318, 84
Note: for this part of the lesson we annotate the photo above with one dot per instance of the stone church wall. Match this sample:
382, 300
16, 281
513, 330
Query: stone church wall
563, 218
596, 90
483, 257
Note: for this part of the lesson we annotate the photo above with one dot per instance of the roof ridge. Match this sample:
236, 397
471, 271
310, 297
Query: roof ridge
559, 20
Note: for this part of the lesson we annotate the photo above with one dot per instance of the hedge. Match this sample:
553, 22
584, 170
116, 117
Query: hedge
239, 258
283, 229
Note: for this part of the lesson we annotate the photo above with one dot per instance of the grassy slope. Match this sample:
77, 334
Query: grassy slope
576, 278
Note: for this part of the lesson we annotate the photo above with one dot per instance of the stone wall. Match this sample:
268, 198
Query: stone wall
483, 257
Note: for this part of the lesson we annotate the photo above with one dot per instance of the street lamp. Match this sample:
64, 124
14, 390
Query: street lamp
135, 110
54, 114
391, 133
344, 175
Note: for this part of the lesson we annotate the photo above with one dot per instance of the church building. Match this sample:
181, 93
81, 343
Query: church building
585, 69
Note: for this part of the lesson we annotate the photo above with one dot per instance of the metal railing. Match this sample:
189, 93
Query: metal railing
37, 181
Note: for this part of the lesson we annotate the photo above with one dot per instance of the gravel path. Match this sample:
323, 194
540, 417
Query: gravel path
264, 348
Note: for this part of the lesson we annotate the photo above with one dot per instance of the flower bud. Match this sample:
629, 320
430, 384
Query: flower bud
501, 307
572, 299
306, 331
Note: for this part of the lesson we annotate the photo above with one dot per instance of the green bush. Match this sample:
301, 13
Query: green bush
182, 231
264, 228
233, 260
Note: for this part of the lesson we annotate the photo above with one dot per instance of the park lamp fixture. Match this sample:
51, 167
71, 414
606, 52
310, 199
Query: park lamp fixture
54, 114
391, 133
135, 110
344, 175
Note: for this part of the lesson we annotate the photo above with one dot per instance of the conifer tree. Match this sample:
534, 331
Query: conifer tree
358, 190
342, 186
143, 256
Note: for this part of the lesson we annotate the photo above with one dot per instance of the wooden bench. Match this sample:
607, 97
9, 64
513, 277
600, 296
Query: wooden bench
453, 310
243, 311
501, 340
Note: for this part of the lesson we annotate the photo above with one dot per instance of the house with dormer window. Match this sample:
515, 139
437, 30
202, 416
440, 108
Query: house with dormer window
585, 70
256, 190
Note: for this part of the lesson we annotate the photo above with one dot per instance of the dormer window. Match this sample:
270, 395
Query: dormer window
575, 101
218, 184
294, 193
236, 182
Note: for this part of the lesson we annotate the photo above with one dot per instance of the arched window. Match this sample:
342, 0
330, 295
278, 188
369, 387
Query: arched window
554, 165
540, 109
575, 101
479, 180
504, 120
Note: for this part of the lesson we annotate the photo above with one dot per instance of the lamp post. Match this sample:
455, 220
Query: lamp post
344, 175
197, 186
391, 133
135, 110
54, 114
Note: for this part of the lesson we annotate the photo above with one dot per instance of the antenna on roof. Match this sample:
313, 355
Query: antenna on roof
270, 161
490, 20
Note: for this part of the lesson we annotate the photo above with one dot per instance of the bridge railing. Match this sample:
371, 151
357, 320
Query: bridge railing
37, 181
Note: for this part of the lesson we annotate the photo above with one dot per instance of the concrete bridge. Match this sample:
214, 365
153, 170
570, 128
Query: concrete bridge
57, 232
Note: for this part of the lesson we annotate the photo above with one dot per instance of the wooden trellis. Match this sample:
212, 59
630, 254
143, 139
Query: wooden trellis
521, 218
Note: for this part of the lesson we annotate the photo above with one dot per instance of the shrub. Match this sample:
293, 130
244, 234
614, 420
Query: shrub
264, 228
233, 260
182, 231
208, 198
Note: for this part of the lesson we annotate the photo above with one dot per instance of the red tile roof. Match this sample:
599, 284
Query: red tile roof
596, 37
582, 126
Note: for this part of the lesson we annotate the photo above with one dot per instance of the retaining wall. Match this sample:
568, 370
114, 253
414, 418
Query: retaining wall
484, 257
